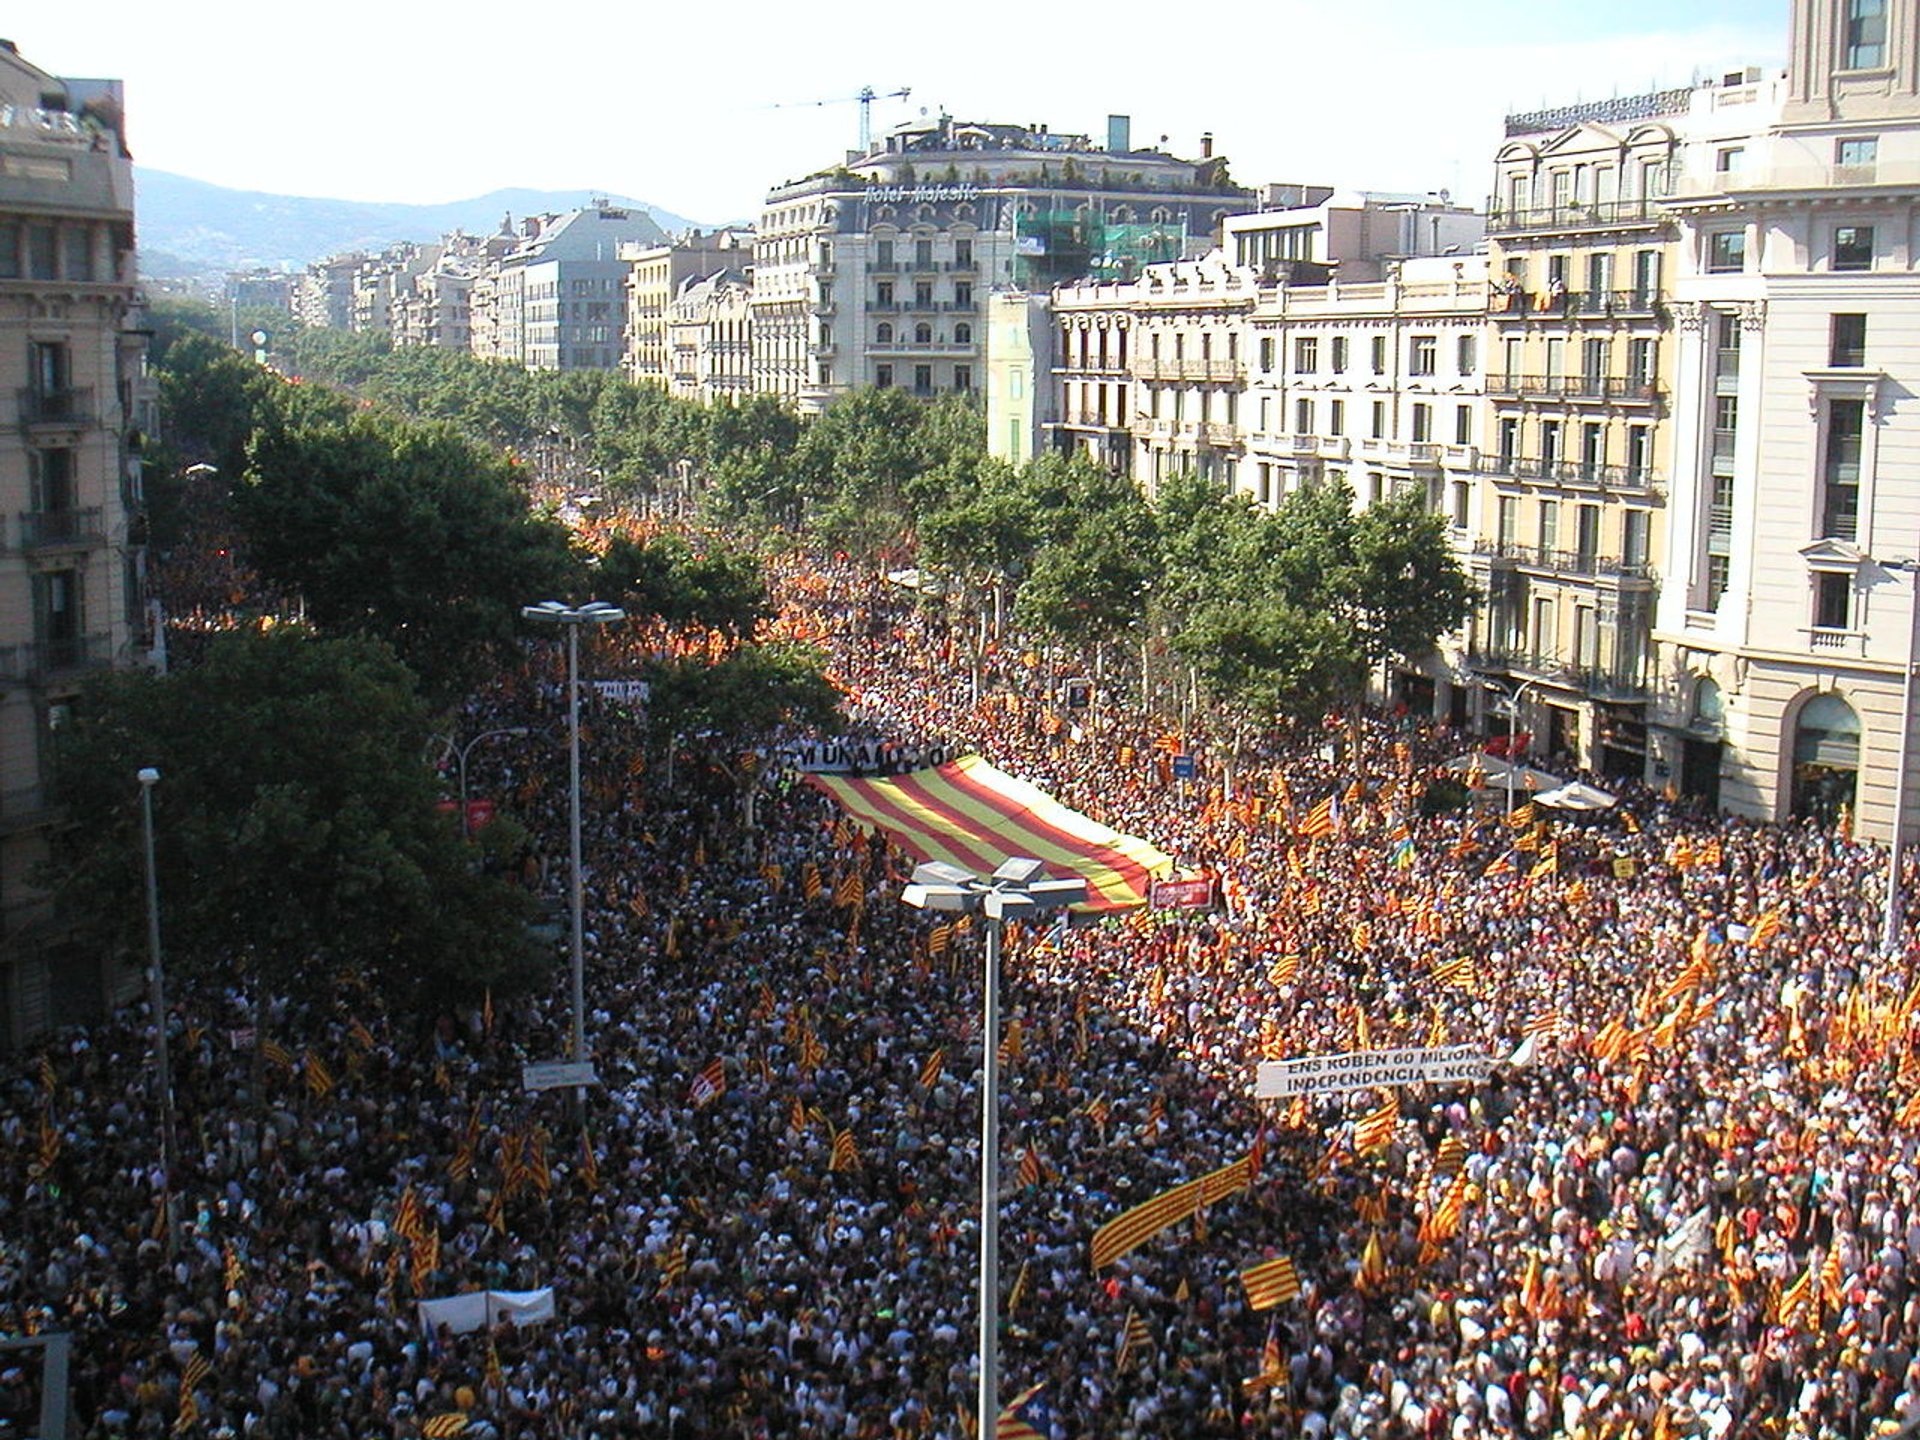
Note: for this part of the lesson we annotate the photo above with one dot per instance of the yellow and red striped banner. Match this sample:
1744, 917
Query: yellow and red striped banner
967, 813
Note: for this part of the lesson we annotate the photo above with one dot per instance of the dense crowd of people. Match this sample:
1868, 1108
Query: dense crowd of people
1682, 1205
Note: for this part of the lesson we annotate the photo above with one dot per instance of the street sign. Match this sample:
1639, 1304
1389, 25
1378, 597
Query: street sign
557, 1075
1183, 767
1079, 694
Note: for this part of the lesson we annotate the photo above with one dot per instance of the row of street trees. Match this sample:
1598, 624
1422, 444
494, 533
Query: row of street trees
1273, 612
300, 847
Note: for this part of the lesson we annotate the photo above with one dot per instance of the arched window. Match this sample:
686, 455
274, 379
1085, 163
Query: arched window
1708, 707
883, 334
963, 334
1826, 757
923, 334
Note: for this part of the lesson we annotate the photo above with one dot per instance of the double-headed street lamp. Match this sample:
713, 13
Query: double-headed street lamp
594, 612
157, 1002
466, 825
1513, 695
1020, 887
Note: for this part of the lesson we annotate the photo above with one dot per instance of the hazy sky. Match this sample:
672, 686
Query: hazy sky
673, 103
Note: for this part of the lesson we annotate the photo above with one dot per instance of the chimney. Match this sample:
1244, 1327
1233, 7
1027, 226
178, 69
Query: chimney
1119, 133
1206, 146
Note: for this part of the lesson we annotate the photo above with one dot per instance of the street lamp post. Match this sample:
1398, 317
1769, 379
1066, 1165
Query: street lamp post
1890, 925
594, 612
1018, 887
466, 827
157, 1002
1513, 694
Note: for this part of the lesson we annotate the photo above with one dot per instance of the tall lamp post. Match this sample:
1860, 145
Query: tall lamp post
1513, 695
466, 826
594, 612
157, 1002
1890, 925
1018, 887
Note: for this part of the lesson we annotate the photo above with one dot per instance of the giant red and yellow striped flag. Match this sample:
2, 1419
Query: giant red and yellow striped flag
1271, 1282
970, 814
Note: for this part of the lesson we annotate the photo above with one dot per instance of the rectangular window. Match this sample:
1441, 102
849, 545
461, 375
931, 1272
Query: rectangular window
1727, 251
1593, 450
1840, 518
963, 254
1549, 441
1855, 159
1832, 600
1303, 417
1549, 525
883, 254
883, 377
1588, 534
923, 254
1509, 439
9, 250
79, 249
1728, 160
1424, 359
1639, 452
922, 296
963, 378
1339, 349
1866, 35
1378, 428
1306, 355
1463, 424
1633, 537
962, 294
43, 258
1266, 356
1462, 504
1466, 354
1509, 518
1336, 417
1853, 247
1847, 341
883, 295
1640, 361
923, 379
1422, 424
1378, 347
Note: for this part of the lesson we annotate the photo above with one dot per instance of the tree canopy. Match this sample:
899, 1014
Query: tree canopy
297, 840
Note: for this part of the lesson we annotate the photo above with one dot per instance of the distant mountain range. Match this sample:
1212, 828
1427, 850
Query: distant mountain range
190, 229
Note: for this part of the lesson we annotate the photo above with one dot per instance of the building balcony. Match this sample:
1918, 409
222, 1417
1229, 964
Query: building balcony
42, 662
1569, 216
1091, 420
61, 529
43, 410
961, 267
1578, 474
1202, 432
959, 348
1417, 454
30, 807
1604, 389
1548, 305
1579, 564
1219, 372
1595, 682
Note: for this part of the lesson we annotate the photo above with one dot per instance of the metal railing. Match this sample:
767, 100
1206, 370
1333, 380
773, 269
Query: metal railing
1576, 472
1600, 682
1565, 562
67, 407
1553, 305
1576, 215
41, 660
1621, 388
43, 528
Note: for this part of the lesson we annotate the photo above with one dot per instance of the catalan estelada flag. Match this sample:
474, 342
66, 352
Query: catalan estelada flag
970, 814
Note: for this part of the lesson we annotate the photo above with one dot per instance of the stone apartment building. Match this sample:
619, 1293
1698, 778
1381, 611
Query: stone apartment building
557, 300
710, 337
875, 273
76, 396
655, 276
1786, 620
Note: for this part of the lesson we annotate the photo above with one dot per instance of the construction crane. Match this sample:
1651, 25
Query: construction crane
866, 97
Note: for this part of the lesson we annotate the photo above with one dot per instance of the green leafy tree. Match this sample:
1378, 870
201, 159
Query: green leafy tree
743, 698
403, 531
668, 579
297, 838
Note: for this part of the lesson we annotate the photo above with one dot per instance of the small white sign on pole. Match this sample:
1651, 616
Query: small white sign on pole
1363, 1069
557, 1075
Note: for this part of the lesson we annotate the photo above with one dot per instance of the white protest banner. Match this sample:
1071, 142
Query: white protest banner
483, 1309
626, 691
1331, 1074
